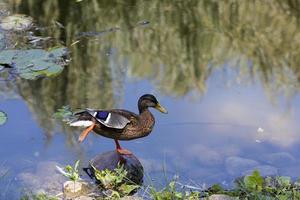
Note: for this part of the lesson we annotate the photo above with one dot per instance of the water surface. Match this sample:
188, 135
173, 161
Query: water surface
228, 73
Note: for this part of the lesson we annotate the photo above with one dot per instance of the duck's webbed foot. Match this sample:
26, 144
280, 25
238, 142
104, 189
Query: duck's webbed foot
83, 135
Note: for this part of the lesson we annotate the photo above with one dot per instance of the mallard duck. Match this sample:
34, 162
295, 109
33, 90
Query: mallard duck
119, 124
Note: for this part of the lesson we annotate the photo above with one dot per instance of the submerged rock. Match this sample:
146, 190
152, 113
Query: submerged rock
237, 166
110, 160
45, 179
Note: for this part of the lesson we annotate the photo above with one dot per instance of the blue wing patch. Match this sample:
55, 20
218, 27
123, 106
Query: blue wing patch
102, 115
109, 119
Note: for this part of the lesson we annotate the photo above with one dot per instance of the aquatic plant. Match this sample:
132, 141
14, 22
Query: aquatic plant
3, 118
40, 196
65, 113
70, 172
171, 192
114, 183
33, 63
255, 186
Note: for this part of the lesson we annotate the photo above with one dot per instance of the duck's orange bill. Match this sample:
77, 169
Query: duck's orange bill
83, 135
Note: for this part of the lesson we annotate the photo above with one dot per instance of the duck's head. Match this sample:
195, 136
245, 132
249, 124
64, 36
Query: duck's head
148, 100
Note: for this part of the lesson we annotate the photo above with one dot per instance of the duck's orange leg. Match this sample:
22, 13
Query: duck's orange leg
120, 150
83, 135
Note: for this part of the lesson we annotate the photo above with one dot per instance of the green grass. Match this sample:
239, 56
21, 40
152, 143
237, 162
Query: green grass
114, 185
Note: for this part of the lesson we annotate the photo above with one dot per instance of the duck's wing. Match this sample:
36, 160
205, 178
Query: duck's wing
117, 119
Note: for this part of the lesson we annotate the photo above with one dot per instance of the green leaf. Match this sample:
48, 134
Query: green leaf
3, 118
65, 114
126, 189
254, 182
69, 168
284, 181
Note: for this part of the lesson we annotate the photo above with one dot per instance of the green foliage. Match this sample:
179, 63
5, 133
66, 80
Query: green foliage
254, 182
37, 197
3, 118
255, 186
65, 113
70, 172
171, 192
115, 182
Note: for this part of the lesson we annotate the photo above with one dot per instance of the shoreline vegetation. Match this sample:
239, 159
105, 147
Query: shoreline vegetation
111, 185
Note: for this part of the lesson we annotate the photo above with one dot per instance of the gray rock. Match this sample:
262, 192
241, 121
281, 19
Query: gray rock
84, 198
220, 197
73, 189
236, 166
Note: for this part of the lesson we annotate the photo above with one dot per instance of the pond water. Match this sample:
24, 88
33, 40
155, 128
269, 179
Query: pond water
228, 73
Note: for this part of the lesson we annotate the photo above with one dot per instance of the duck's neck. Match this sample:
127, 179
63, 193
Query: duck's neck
146, 116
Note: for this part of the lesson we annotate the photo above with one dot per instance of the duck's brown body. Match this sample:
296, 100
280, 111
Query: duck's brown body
119, 124
139, 126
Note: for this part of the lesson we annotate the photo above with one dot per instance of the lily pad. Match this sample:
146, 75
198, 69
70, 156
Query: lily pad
3, 118
33, 63
17, 22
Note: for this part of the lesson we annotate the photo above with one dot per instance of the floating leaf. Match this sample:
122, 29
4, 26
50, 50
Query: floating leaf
17, 22
58, 52
3, 118
33, 63
6, 56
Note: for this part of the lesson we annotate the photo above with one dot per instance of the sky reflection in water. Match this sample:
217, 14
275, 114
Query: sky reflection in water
218, 88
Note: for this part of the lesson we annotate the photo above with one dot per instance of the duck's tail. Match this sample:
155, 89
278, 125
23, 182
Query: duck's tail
83, 119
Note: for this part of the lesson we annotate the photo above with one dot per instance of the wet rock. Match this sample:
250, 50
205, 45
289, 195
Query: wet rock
220, 197
110, 160
73, 189
131, 198
264, 170
204, 155
237, 166
84, 198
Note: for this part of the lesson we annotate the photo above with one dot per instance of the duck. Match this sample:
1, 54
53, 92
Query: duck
119, 124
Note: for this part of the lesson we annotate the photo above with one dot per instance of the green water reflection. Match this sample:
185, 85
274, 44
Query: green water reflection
185, 42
